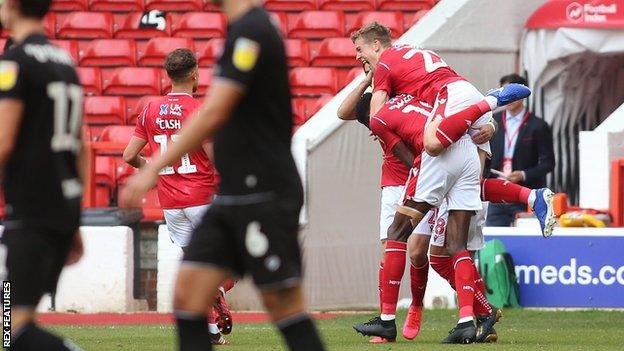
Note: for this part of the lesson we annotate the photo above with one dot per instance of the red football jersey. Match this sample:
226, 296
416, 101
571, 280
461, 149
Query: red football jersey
192, 181
401, 119
393, 171
403, 69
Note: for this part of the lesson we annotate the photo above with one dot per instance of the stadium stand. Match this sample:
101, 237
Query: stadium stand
120, 59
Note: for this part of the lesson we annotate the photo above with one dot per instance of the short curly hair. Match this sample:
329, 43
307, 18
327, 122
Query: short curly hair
180, 63
373, 31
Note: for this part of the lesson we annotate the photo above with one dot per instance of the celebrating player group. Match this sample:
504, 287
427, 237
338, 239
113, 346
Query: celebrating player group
434, 128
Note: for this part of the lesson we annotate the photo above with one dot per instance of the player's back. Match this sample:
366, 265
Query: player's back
406, 118
191, 181
403, 69
41, 180
252, 150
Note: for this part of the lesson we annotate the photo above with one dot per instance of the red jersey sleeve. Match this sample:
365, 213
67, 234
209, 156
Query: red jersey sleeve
381, 129
139, 129
382, 79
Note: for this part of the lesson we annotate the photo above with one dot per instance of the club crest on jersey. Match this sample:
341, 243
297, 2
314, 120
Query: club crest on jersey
245, 54
8, 74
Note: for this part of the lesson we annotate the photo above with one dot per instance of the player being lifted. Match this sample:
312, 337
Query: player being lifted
186, 188
252, 225
43, 161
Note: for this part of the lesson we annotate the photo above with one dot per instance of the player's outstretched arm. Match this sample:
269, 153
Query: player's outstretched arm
131, 154
222, 99
10, 119
346, 110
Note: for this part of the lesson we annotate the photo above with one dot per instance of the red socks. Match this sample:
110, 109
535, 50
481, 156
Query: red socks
418, 279
443, 265
502, 191
464, 283
394, 265
481, 304
380, 283
453, 127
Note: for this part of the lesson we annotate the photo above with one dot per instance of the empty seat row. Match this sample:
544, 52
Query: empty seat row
332, 52
277, 5
206, 25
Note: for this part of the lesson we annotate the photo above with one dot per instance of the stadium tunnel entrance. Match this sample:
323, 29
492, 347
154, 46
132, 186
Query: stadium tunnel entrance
573, 55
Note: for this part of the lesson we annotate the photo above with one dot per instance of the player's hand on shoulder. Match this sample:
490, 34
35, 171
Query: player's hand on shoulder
484, 133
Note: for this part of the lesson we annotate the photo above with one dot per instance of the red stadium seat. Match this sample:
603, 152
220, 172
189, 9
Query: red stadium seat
71, 46
133, 81
128, 27
210, 53
199, 25
91, 80
174, 5
319, 103
86, 25
405, 5
138, 107
298, 109
109, 53
101, 111
117, 134
335, 52
318, 25
392, 20
68, 5
410, 20
105, 179
117, 5
313, 81
347, 5
297, 52
281, 19
290, 5
49, 24
158, 48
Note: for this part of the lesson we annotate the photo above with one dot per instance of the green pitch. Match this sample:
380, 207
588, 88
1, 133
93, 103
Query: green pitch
518, 330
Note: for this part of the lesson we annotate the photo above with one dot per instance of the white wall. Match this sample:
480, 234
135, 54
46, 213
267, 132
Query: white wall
102, 280
169, 256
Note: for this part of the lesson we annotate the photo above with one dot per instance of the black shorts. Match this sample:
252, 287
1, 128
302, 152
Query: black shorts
259, 239
34, 260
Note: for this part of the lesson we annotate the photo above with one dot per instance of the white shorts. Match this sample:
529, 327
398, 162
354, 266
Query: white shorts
182, 221
390, 197
458, 96
434, 224
454, 175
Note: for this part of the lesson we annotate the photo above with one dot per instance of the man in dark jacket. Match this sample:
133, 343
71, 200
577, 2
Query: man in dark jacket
522, 152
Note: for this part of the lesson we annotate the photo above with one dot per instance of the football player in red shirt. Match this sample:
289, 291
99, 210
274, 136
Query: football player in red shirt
186, 188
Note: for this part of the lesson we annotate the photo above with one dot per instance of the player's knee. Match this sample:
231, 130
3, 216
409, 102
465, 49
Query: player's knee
454, 248
418, 258
283, 303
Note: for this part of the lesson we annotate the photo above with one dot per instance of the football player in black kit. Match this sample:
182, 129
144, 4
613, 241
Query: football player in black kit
40, 148
252, 225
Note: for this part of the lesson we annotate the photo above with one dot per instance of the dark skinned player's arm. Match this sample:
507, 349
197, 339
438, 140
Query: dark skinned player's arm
346, 110
403, 153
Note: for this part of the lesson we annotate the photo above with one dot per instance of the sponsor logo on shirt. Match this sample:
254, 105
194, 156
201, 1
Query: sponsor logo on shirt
245, 54
8, 74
